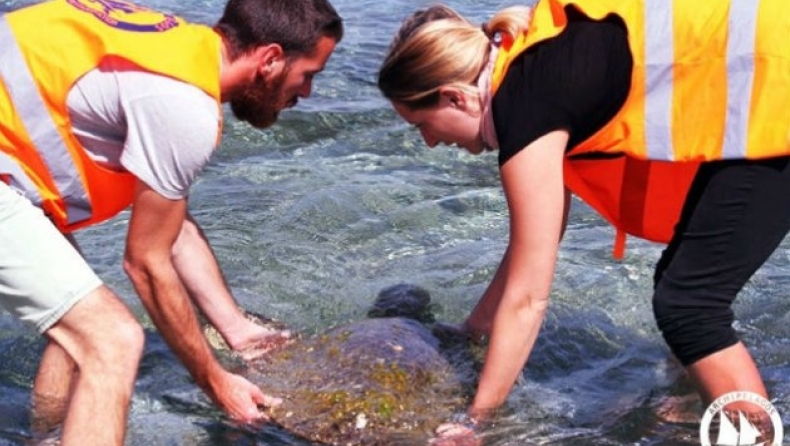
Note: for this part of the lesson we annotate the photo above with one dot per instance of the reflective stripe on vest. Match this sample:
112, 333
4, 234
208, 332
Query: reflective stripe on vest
740, 77
658, 79
709, 79
659, 55
42, 130
710, 82
14, 176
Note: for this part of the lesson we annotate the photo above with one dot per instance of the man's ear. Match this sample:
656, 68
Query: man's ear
270, 59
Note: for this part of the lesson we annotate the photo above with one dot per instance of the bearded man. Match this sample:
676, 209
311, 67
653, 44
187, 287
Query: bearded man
105, 105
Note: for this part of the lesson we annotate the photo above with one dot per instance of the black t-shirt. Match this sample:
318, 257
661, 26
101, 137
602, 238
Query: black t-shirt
576, 81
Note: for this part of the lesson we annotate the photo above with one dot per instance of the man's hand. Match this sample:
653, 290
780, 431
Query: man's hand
251, 338
240, 399
267, 340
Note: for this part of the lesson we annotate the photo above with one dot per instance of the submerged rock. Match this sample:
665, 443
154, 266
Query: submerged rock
386, 380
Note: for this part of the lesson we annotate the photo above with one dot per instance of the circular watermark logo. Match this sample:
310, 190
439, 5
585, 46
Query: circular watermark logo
752, 420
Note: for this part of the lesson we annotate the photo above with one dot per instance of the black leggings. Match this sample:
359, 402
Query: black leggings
736, 214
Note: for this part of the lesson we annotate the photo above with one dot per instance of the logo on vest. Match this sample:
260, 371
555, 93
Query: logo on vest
754, 422
127, 16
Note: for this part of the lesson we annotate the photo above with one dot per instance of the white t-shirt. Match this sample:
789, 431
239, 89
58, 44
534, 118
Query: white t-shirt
160, 129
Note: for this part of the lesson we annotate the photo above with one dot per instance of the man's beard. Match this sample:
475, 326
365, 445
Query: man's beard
260, 103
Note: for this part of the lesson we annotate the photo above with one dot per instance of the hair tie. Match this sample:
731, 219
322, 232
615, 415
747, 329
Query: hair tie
494, 37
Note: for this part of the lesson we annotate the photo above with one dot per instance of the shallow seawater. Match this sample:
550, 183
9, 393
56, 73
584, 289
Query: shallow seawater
313, 217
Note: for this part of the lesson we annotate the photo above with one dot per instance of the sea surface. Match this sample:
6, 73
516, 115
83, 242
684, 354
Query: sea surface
311, 218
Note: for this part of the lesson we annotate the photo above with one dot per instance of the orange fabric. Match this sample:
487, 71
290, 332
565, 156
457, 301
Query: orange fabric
698, 38
643, 197
638, 197
62, 40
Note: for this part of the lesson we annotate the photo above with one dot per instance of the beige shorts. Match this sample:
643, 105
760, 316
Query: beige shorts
41, 274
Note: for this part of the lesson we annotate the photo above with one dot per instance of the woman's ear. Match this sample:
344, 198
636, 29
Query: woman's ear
453, 97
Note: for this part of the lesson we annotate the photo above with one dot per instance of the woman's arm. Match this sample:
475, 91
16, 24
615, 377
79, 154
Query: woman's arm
517, 299
478, 324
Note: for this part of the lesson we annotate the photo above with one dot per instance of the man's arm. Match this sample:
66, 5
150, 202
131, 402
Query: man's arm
199, 271
155, 224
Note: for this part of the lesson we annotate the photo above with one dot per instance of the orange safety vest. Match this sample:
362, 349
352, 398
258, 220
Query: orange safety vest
44, 50
711, 81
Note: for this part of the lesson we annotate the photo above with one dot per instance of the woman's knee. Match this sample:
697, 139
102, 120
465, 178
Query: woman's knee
693, 326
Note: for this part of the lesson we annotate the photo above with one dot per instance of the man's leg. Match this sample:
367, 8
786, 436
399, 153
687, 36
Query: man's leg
106, 342
51, 390
46, 282
53, 384
736, 215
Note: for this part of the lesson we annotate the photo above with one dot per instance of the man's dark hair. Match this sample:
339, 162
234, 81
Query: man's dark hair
296, 25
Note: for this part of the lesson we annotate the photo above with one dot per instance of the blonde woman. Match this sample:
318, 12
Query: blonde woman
676, 129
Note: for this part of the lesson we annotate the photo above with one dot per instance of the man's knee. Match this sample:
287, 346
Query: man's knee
122, 343
693, 327
100, 331
125, 341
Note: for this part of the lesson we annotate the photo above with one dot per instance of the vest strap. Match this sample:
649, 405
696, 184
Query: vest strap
618, 251
42, 130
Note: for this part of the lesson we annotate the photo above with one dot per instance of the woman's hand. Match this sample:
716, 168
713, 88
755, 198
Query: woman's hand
446, 332
459, 432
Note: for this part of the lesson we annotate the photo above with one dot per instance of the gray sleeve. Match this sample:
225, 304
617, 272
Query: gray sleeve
172, 130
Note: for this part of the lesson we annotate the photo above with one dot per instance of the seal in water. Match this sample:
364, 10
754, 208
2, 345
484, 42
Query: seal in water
387, 380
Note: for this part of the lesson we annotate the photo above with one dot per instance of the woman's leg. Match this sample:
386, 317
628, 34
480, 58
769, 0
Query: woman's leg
735, 216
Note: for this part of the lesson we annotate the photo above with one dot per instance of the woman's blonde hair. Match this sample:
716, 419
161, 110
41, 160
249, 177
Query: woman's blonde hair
437, 47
